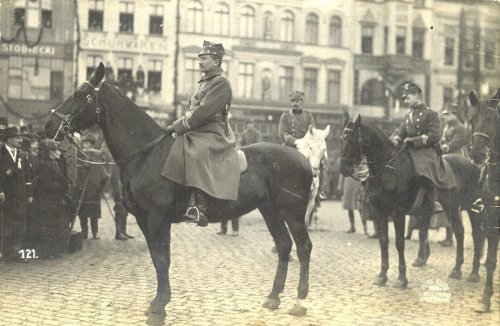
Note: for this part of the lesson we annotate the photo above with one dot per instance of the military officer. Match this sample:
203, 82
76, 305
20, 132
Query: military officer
294, 124
250, 135
454, 136
420, 131
203, 156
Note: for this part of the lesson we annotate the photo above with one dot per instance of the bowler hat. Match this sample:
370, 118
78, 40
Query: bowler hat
410, 88
47, 144
9, 132
294, 95
451, 109
216, 49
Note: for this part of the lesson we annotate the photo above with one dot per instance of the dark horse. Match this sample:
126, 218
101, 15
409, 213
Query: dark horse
277, 182
486, 151
393, 189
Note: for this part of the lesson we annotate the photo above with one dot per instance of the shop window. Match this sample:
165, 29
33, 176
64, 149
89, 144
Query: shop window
154, 75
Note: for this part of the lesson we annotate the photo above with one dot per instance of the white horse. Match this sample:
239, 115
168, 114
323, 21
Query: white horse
313, 147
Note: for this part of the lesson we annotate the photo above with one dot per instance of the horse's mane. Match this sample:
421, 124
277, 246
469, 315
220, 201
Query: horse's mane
131, 103
373, 131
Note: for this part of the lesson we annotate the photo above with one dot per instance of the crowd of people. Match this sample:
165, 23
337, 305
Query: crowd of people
42, 192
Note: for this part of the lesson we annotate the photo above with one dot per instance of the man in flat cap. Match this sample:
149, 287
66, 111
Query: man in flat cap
204, 156
421, 131
16, 189
294, 124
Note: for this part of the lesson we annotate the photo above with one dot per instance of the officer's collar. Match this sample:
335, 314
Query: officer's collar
296, 110
211, 73
419, 107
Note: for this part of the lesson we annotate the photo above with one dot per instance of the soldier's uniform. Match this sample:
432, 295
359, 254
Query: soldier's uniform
422, 128
454, 138
251, 136
294, 124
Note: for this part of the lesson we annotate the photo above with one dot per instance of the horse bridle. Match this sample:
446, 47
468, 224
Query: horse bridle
488, 138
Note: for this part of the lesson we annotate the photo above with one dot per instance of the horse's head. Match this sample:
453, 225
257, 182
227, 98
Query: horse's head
483, 122
313, 147
79, 111
350, 146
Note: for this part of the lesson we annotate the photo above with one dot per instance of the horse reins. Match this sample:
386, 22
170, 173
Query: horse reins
66, 128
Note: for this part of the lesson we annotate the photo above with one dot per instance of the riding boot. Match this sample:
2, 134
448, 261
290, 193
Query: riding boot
197, 212
119, 227
124, 227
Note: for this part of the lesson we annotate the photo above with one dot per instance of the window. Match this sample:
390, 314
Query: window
192, 75
92, 63
333, 87
447, 95
124, 71
47, 18
126, 17
154, 75
418, 42
449, 51
335, 32
35, 78
312, 29
367, 39
96, 8
221, 22
286, 82
268, 25
400, 40
195, 17
373, 93
287, 21
156, 20
310, 84
247, 23
245, 80
489, 54
19, 14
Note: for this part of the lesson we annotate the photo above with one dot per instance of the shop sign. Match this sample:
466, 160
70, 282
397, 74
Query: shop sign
124, 43
52, 51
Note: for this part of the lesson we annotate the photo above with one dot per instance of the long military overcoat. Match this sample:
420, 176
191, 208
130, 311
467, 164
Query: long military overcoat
423, 124
204, 153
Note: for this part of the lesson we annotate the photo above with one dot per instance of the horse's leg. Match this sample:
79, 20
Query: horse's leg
423, 237
478, 238
298, 229
399, 226
491, 264
156, 230
276, 226
383, 241
458, 229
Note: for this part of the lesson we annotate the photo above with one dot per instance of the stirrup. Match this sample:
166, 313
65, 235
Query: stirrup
477, 206
192, 218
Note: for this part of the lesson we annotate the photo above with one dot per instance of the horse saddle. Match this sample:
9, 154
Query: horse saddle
242, 159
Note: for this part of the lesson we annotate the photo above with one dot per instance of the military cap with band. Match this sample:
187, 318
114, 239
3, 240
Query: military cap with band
294, 95
410, 88
216, 49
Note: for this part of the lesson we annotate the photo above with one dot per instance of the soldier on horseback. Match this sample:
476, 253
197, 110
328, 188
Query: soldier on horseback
294, 124
203, 157
420, 132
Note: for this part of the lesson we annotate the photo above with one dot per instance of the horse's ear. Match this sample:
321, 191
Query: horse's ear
326, 131
358, 120
473, 99
98, 74
311, 130
346, 118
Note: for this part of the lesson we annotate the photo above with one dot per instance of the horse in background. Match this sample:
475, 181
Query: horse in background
277, 182
313, 147
485, 151
393, 189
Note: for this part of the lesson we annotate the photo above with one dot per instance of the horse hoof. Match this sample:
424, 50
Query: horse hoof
401, 284
485, 308
156, 318
271, 303
419, 262
380, 281
147, 312
298, 310
455, 274
473, 278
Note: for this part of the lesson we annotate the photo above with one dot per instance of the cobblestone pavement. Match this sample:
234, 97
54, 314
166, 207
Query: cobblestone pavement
223, 280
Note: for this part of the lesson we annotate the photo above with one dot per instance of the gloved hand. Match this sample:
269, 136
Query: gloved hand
169, 130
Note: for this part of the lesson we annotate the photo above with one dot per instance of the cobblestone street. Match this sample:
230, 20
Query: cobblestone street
223, 280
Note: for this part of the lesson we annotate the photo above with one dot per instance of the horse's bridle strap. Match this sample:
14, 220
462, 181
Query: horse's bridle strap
482, 134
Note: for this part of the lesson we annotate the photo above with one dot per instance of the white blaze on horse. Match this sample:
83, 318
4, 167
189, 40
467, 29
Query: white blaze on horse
313, 147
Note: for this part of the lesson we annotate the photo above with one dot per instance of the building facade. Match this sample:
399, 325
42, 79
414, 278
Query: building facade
36, 57
134, 39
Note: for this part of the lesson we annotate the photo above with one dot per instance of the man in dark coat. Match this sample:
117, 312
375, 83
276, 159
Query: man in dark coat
16, 187
420, 131
294, 124
454, 136
119, 209
204, 156
250, 135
